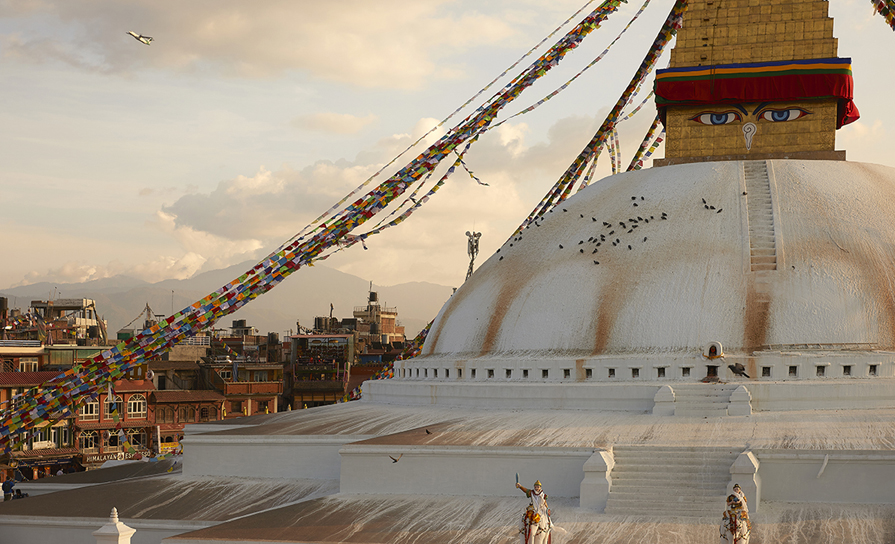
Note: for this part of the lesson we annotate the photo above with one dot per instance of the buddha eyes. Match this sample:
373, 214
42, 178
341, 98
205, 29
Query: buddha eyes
778, 116
774, 116
717, 118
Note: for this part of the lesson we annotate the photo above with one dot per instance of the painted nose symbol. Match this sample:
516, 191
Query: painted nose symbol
749, 130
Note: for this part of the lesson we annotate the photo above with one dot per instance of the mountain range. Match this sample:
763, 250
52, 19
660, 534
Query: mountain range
299, 298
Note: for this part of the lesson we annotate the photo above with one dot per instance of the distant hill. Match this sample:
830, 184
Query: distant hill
302, 296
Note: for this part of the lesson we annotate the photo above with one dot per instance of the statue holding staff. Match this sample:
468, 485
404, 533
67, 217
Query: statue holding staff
536, 522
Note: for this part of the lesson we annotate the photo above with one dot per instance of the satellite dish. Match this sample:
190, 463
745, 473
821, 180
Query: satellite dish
150, 374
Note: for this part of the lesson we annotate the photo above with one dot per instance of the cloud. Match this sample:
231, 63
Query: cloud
333, 123
336, 41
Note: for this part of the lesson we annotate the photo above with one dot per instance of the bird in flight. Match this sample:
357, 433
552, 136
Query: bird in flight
141, 38
395, 460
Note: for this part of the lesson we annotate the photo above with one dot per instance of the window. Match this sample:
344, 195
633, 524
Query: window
260, 376
111, 441
588, 373
187, 414
490, 373
685, 372
425, 373
711, 370
872, 370
113, 404
8, 365
525, 373
821, 370
509, 373
793, 371
226, 374
137, 438
88, 441
635, 372
765, 372
435, 372
136, 406
611, 372
459, 373
61, 436
235, 406
447, 372
164, 415
846, 370
545, 373
203, 413
262, 406
660, 372
90, 411
473, 373
566, 373
28, 364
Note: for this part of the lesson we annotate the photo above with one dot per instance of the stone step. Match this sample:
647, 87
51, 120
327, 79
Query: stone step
678, 494
632, 467
703, 508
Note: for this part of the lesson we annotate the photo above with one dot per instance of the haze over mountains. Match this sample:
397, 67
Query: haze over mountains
302, 296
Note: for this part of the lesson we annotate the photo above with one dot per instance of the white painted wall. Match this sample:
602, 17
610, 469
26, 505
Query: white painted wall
863, 477
265, 456
461, 470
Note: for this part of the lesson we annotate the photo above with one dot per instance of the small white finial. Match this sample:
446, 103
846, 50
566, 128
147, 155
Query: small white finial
113, 517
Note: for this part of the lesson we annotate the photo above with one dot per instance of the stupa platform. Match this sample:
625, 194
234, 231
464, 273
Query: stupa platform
475, 520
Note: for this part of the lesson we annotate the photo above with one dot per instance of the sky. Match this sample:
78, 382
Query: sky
242, 122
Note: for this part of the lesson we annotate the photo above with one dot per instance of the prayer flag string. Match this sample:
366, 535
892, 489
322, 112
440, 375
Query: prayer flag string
65, 392
886, 8
564, 185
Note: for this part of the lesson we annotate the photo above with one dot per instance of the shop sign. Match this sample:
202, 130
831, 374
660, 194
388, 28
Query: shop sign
101, 458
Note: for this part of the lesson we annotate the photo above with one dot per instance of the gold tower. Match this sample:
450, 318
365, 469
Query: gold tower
740, 68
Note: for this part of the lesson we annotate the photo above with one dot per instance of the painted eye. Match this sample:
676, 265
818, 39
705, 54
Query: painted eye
777, 116
717, 118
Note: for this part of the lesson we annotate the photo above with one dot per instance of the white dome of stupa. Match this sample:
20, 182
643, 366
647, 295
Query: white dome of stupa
752, 254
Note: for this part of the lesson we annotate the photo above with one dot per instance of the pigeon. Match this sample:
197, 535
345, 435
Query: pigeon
633, 198
703, 201
395, 460
427, 432
711, 207
141, 38
719, 210
560, 246
635, 204
596, 262
738, 369
580, 251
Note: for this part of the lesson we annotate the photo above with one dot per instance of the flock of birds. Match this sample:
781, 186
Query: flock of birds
612, 232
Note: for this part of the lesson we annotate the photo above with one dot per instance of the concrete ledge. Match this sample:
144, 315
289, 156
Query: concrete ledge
235, 455
799, 155
80, 530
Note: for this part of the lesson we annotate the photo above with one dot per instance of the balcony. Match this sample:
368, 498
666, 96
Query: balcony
253, 388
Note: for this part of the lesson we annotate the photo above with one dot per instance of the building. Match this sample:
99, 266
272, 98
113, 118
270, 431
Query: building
172, 410
378, 324
47, 449
319, 370
100, 434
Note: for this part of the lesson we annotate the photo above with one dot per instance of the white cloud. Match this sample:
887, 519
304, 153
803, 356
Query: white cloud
337, 41
333, 123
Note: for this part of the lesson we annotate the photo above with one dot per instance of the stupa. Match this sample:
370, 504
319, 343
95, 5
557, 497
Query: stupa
724, 318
